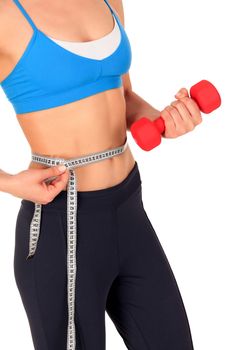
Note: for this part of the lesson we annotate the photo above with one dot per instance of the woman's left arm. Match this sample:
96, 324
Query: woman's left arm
180, 117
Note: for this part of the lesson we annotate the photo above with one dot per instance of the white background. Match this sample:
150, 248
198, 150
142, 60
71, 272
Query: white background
187, 182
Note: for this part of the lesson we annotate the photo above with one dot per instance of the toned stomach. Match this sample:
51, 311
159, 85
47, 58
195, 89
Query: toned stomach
93, 124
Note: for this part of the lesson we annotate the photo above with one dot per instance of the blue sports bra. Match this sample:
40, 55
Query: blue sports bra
48, 75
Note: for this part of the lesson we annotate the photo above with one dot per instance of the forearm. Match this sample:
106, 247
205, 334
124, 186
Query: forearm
6, 181
136, 107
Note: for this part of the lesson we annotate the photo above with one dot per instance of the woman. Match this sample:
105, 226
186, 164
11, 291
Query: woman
83, 241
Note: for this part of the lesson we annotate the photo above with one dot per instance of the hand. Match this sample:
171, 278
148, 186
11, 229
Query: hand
31, 184
181, 116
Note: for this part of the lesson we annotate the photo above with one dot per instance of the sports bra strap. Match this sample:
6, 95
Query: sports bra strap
109, 5
113, 11
26, 15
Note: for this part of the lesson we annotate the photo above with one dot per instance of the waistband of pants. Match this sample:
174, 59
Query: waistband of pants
96, 199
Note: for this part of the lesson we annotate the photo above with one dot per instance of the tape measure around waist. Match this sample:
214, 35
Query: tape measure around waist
72, 196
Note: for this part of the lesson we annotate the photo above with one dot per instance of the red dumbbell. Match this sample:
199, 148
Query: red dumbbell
147, 133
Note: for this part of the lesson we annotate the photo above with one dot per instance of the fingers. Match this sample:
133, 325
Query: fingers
170, 126
190, 104
57, 185
193, 109
58, 179
181, 116
60, 176
51, 171
183, 92
182, 120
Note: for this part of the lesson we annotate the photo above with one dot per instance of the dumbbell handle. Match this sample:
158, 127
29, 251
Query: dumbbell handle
159, 124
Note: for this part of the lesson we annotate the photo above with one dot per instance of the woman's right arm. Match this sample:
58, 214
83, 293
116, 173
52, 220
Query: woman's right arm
6, 181
37, 185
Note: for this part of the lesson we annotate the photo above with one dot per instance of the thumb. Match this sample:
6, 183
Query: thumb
58, 184
183, 92
51, 172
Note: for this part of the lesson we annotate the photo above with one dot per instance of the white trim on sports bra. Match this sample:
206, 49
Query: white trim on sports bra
97, 49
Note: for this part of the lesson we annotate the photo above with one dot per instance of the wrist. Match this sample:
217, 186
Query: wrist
7, 182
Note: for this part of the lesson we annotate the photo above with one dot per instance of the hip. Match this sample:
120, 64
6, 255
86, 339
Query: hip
105, 173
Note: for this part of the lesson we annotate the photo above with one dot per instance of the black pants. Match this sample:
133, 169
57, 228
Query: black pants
121, 268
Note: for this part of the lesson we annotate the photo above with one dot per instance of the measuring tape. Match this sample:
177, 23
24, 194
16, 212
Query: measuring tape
72, 196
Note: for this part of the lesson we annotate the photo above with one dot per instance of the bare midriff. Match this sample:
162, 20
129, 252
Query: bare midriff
93, 124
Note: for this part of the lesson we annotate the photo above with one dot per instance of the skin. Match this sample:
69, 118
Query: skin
104, 117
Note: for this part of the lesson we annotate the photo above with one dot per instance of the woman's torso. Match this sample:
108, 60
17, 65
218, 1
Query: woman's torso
92, 124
